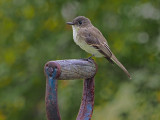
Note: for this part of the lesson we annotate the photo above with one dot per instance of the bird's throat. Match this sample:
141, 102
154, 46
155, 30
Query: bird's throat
75, 32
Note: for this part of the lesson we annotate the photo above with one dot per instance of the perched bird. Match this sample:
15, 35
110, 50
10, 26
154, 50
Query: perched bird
90, 39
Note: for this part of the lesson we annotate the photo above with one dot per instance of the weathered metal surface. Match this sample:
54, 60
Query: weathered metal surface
75, 69
70, 69
86, 108
51, 92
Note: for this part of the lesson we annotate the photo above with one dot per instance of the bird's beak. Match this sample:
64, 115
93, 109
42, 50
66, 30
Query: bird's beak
70, 23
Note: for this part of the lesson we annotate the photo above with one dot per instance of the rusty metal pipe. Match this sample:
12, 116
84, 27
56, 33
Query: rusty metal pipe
67, 70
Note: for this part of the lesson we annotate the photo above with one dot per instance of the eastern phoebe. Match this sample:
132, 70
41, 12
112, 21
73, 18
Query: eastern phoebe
90, 39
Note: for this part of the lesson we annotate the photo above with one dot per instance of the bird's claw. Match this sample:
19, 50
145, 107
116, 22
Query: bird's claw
88, 59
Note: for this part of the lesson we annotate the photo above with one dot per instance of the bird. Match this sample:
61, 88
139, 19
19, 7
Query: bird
90, 39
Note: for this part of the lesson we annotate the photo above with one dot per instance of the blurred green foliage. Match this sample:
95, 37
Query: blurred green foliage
33, 32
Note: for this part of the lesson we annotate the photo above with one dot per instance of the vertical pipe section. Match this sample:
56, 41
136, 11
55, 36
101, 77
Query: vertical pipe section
52, 110
87, 103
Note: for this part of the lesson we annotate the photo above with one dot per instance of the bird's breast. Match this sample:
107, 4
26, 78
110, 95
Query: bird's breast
75, 31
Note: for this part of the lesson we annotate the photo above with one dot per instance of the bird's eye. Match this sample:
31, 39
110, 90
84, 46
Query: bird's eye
80, 22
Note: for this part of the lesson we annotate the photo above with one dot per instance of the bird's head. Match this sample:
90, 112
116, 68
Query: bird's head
80, 22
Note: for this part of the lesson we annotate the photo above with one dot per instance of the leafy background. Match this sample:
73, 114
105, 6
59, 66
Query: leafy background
34, 32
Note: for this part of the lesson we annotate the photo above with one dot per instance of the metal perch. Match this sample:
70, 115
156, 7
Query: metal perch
67, 70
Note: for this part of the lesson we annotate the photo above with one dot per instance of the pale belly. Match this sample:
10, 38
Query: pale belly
89, 49
84, 45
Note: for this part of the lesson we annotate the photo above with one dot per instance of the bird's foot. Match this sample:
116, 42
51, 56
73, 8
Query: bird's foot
89, 59
91, 56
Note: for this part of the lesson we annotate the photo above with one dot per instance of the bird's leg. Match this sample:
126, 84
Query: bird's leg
91, 57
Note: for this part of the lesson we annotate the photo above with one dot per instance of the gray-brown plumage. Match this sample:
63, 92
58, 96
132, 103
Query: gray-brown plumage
90, 39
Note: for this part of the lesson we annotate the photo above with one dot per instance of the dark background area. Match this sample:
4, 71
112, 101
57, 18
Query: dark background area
33, 32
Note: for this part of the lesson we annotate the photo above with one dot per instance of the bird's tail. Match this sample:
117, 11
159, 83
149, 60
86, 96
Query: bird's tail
113, 57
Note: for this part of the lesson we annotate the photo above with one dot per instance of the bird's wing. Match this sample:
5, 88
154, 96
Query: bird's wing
96, 39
